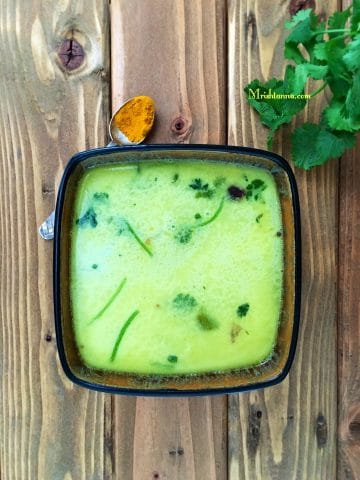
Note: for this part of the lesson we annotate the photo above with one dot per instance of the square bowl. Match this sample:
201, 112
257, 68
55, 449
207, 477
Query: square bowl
266, 373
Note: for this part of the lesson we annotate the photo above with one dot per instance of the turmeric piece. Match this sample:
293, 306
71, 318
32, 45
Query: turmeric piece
134, 119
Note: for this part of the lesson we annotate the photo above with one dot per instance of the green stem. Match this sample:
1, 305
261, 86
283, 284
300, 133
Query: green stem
215, 215
109, 302
122, 333
138, 239
270, 139
333, 30
320, 89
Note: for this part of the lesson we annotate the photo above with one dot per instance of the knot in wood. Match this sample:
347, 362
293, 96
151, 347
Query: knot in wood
176, 451
71, 54
251, 29
48, 337
179, 126
253, 434
296, 5
354, 429
321, 430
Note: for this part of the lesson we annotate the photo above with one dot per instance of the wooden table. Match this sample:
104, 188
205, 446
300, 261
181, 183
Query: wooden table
194, 58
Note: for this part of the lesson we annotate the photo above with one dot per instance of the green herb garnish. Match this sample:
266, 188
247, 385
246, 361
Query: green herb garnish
94, 266
242, 310
329, 53
138, 239
172, 358
197, 216
122, 333
101, 196
198, 184
259, 217
175, 178
213, 217
109, 302
206, 322
88, 219
209, 193
184, 234
219, 181
255, 188
185, 302
203, 190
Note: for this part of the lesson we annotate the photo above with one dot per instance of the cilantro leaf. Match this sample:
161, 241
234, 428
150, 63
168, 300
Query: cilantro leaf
306, 26
334, 56
184, 234
352, 102
273, 111
301, 22
338, 117
352, 56
305, 70
342, 115
329, 53
88, 219
314, 144
320, 51
184, 302
355, 19
208, 193
203, 190
197, 184
255, 188
242, 310
101, 196
172, 358
292, 52
338, 20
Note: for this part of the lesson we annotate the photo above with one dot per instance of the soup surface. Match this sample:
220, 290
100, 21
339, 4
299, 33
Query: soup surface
176, 267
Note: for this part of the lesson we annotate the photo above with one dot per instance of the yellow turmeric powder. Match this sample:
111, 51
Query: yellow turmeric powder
135, 118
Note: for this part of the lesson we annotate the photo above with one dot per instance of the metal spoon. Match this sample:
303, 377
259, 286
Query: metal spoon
46, 229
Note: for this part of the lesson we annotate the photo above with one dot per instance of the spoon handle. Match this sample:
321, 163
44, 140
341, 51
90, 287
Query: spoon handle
46, 229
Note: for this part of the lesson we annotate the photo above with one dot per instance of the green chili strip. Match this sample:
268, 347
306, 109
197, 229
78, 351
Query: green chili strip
109, 302
122, 333
138, 239
211, 219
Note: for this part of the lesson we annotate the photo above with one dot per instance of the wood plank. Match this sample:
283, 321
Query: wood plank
50, 429
174, 52
349, 313
348, 465
288, 431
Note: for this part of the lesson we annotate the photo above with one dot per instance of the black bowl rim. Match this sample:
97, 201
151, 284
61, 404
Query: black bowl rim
81, 156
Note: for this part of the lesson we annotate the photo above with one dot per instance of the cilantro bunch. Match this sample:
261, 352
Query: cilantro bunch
327, 53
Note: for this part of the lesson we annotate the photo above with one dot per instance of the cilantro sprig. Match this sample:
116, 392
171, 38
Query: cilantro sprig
328, 53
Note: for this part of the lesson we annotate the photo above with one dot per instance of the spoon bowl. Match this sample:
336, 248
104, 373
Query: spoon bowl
137, 112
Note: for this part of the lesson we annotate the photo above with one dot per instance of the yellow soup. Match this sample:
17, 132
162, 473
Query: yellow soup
176, 267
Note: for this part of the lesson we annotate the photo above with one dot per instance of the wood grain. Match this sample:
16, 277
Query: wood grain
348, 464
175, 52
288, 431
47, 113
349, 313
